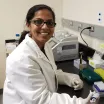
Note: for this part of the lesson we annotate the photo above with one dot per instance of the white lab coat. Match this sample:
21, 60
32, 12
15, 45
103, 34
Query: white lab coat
31, 77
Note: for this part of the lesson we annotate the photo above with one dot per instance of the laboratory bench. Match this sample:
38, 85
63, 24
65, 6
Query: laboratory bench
67, 66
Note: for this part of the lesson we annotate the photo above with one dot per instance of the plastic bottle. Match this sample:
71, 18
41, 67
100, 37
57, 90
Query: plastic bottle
94, 98
17, 38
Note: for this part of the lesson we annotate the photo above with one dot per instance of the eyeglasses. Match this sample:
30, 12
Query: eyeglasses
41, 22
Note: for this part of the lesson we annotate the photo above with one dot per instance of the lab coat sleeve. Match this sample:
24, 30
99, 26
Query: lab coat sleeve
31, 86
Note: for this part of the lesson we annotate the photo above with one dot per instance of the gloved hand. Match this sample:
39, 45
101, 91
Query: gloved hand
88, 99
72, 80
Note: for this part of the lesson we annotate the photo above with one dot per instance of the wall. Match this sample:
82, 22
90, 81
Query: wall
86, 11
12, 21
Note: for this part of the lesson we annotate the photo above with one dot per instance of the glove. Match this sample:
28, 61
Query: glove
72, 80
88, 99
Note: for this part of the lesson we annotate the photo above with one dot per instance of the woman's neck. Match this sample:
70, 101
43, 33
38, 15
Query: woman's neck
40, 44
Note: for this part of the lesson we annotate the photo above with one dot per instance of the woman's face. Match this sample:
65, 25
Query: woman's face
41, 33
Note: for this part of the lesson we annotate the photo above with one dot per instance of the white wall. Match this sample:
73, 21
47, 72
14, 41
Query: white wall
86, 11
12, 20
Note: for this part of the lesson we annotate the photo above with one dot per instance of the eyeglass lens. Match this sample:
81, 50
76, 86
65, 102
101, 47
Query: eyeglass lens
40, 22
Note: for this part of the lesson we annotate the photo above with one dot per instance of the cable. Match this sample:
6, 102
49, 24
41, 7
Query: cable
81, 34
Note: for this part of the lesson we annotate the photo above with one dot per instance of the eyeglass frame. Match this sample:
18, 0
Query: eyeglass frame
44, 22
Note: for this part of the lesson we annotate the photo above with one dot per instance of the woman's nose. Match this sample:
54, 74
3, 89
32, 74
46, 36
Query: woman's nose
44, 25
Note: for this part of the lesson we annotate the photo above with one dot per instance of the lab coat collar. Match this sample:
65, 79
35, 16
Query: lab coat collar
36, 48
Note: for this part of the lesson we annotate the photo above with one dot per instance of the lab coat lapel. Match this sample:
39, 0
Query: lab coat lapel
47, 52
35, 48
50, 56
44, 57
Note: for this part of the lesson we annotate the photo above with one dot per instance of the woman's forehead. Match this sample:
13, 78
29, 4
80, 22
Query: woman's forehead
44, 13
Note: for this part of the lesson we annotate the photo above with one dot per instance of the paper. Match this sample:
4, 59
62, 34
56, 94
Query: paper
10, 47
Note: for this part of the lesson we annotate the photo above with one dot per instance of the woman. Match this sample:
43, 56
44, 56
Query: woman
31, 73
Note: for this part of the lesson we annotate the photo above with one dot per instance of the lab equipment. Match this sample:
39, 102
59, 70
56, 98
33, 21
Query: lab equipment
89, 99
95, 97
81, 53
10, 45
99, 88
89, 75
64, 46
78, 65
100, 72
96, 61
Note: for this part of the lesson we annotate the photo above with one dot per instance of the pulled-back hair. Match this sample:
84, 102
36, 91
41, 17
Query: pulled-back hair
30, 15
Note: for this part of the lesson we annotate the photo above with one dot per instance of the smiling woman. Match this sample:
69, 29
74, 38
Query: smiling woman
31, 73
41, 27
41, 23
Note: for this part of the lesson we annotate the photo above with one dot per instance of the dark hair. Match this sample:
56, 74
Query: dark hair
30, 15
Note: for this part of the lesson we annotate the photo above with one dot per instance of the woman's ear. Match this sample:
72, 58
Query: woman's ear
27, 24
26, 27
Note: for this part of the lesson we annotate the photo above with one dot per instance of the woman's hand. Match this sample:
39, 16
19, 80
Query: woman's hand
73, 80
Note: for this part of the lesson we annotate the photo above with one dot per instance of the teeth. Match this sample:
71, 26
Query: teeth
44, 33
